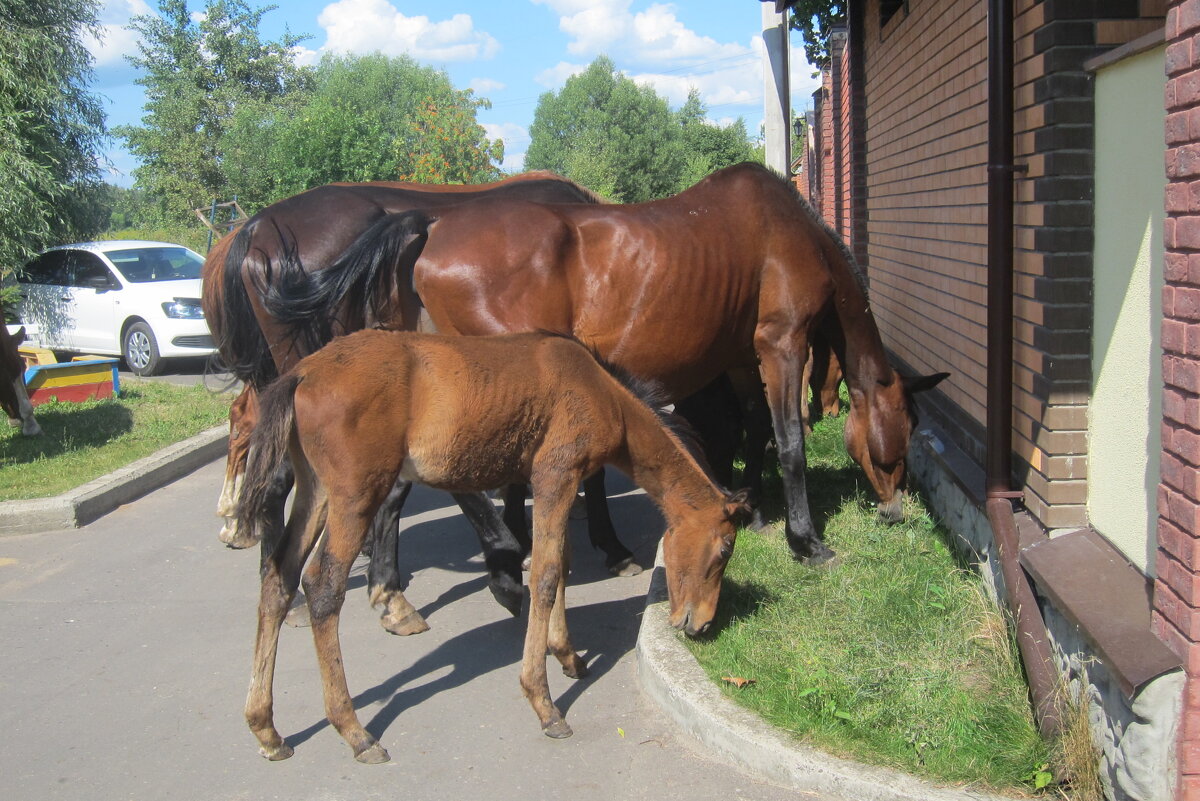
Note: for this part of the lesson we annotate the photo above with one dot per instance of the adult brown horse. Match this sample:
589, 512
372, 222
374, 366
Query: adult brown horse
736, 271
14, 397
308, 232
463, 414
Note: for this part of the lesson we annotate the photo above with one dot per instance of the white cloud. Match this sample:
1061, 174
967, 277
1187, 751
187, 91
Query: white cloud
114, 41
557, 75
483, 86
366, 26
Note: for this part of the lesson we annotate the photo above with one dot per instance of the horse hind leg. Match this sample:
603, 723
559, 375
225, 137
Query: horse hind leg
559, 638
325, 587
383, 577
280, 578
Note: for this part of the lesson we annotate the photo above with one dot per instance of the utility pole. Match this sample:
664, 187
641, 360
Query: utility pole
776, 108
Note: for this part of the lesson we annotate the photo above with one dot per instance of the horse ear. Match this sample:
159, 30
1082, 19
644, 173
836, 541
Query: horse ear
922, 383
738, 508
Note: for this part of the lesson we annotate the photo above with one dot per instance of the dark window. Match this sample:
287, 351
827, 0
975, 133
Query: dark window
89, 271
888, 9
141, 265
51, 268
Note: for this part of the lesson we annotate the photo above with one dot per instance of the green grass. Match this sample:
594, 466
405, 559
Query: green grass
893, 656
83, 441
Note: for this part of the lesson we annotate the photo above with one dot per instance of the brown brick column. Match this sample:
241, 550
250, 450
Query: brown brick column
1177, 588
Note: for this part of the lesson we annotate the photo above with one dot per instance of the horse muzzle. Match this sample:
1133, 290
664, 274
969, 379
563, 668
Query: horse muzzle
892, 511
685, 622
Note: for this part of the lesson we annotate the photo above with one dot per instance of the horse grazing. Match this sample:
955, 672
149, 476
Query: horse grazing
463, 414
736, 271
14, 397
308, 232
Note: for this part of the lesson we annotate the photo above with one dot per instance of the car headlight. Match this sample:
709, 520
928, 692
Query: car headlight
184, 309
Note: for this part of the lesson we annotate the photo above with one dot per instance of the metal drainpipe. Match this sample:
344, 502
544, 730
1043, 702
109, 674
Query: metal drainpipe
1031, 629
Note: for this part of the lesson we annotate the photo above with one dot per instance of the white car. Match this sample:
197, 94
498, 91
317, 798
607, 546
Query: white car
134, 299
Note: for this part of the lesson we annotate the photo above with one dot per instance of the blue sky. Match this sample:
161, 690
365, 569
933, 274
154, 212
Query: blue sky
509, 52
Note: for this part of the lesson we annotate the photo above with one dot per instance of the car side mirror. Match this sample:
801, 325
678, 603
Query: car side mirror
100, 283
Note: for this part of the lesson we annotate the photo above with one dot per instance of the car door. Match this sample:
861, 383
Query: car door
47, 301
96, 293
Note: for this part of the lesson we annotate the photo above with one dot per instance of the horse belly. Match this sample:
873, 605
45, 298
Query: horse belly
463, 466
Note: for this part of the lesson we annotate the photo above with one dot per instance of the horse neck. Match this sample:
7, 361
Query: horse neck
851, 325
660, 464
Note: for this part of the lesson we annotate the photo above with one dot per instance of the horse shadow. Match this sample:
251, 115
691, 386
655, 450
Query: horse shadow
492, 646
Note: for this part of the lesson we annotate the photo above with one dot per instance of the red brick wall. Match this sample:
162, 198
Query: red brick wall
1177, 590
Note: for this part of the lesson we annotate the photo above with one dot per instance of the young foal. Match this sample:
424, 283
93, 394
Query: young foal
14, 397
463, 414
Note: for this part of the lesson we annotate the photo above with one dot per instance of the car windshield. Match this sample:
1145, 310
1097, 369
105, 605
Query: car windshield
143, 265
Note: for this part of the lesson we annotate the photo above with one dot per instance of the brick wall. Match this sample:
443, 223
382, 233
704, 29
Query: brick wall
1177, 590
926, 187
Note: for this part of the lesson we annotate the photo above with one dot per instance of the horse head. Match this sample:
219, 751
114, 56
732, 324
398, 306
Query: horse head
14, 398
878, 428
695, 552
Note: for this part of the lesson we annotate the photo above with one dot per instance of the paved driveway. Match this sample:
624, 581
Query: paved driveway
125, 651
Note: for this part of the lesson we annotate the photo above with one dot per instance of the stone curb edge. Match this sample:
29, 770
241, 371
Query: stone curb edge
93, 500
670, 675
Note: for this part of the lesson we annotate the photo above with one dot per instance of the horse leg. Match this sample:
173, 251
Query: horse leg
501, 551
782, 371
756, 417
514, 515
325, 587
559, 639
617, 558
383, 576
243, 413
551, 508
714, 413
280, 577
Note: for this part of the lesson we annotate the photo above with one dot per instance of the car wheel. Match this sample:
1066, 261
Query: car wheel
140, 350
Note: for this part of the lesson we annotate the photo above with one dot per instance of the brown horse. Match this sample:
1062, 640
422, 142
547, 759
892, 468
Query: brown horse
308, 232
14, 397
734, 272
463, 414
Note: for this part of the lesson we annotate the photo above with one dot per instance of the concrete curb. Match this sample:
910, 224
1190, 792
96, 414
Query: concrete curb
670, 675
95, 499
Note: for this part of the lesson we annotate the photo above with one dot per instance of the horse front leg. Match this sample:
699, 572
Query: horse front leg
783, 375
383, 576
501, 551
617, 558
547, 575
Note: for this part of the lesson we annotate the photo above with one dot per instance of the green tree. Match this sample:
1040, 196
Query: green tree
631, 125
708, 147
367, 118
814, 19
51, 127
196, 75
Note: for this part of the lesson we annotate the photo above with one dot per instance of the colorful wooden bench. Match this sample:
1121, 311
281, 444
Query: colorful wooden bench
80, 379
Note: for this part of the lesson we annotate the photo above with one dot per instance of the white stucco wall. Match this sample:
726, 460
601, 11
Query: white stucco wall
1126, 408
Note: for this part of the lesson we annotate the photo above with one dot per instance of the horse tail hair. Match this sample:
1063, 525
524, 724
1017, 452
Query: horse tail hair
268, 450
360, 289
237, 335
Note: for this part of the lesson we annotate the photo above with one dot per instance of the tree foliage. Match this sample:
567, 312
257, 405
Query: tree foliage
623, 141
366, 118
197, 73
814, 19
51, 127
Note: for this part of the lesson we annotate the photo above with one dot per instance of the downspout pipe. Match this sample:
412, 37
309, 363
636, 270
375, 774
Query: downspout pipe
1032, 640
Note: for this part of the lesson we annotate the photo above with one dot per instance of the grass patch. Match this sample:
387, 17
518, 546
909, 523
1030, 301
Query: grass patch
894, 656
83, 441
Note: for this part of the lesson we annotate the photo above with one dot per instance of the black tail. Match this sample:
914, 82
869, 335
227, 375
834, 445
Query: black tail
268, 450
240, 341
368, 284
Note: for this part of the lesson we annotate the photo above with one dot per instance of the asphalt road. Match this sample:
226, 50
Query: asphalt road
126, 656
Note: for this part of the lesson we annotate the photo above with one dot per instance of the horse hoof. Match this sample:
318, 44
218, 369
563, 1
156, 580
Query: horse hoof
297, 617
278, 754
233, 538
576, 670
626, 567
822, 558
411, 623
508, 594
374, 755
557, 729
